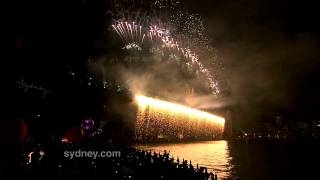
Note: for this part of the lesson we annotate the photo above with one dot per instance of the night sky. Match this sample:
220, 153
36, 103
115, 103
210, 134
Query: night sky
269, 50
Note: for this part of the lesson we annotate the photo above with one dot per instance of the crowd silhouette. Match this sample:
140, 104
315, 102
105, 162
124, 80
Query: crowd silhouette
132, 164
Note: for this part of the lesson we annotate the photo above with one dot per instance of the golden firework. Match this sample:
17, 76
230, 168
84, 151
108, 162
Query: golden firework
157, 118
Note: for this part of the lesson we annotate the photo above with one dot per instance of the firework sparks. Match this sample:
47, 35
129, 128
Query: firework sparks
169, 42
166, 3
129, 34
161, 25
132, 46
170, 119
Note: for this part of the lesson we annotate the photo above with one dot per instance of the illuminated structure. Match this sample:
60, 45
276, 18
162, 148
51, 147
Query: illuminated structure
158, 119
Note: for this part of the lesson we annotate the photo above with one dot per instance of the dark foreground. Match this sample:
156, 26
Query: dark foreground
248, 160
276, 160
259, 159
52, 163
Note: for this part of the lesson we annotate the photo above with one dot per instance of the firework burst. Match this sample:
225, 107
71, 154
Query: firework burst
129, 32
168, 31
161, 118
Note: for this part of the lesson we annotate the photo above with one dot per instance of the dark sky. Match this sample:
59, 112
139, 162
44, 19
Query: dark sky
269, 49
42, 40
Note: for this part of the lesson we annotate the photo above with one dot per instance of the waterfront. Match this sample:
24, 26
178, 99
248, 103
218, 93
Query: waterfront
253, 160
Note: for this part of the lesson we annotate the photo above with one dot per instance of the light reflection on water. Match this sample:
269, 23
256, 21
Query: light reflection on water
256, 160
212, 154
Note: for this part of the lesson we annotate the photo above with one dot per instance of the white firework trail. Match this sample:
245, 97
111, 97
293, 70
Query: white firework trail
128, 32
169, 42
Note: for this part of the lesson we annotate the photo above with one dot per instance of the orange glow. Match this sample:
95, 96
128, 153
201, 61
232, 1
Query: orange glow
158, 118
211, 154
177, 108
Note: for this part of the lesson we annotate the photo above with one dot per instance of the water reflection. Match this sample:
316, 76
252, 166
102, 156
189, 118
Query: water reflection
263, 160
212, 154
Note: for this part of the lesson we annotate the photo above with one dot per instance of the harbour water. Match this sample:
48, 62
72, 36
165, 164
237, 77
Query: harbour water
249, 160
